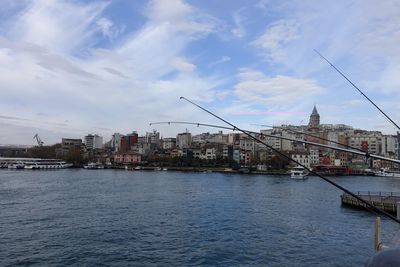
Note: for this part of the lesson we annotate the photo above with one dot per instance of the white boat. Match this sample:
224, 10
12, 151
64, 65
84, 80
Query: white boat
298, 173
34, 163
384, 172
164, 169
46, 164
94, 166
16, 166
158, 169
138, 168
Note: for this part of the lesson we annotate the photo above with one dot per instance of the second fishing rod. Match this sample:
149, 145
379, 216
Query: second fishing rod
367, 204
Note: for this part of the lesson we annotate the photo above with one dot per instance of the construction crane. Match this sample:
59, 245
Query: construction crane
38, 140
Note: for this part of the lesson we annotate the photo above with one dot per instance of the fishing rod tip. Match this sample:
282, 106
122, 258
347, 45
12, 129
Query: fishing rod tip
181, 97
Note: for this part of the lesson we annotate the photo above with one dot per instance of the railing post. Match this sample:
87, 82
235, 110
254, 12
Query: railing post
378, 245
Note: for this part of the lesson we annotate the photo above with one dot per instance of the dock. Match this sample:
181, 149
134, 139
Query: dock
387, 201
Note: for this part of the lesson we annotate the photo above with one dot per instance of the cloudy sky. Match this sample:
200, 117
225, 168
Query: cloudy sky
69, 68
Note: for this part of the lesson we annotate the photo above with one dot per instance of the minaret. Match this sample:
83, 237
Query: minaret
314, 118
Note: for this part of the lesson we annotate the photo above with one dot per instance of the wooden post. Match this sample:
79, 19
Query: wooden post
378, 244
398, 210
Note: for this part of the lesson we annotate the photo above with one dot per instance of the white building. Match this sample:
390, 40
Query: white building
314, 156
211, 153
302, 158
93, 141
372, 139
116, 141
153, 137
389, 145
169, 143
184, 140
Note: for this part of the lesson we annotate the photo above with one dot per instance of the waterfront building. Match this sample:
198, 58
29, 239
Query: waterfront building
116, 142
127, 158
69, 145
184, 140
169, 143
369, 141
247, 144
197, 153
233, 138
211, 154
389, 145
153, 138
204, 138
275, 143
128, 141
245, 157
236, 155
93, 141
314, 156
227, 152
13, 151
301, 157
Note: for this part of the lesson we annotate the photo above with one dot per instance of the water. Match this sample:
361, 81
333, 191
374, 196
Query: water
119, 218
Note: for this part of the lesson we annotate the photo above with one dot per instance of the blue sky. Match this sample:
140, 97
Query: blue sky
69, 68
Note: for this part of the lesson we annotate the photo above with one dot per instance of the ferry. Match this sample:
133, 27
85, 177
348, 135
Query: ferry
46, 164
33, 163
384, 172
298, 173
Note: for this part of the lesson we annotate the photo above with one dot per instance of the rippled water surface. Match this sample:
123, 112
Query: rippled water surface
109, 217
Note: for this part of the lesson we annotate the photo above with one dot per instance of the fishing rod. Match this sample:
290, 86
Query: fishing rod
358, 89
310, 135
360, 153
368, 205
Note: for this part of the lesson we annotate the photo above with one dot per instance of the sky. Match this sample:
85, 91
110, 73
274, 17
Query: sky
70, 68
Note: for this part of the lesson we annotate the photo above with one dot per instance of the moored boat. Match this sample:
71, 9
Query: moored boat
94, 166
384, 172
298, 173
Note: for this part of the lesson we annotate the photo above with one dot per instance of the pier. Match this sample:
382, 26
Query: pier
387, 201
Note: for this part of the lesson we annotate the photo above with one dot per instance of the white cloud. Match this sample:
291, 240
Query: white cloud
108, 28
51, 44
223, 59
256, 88
274, 39
43, 23
183, 65
239, 30
181, 16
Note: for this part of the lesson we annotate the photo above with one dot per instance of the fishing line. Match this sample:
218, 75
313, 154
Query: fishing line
358, 89
310, 135
368, 205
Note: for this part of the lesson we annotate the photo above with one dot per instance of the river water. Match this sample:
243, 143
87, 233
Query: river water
142, 218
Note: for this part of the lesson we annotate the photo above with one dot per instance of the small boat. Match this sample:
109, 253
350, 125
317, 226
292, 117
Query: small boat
164, 169
384, 172
157, 169
16, 166
298, 173
94, 166
244, 170
138, 168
